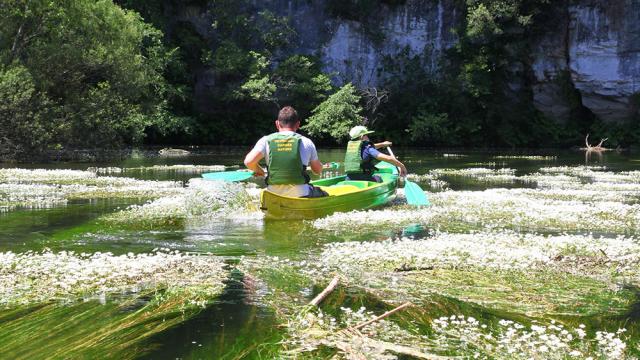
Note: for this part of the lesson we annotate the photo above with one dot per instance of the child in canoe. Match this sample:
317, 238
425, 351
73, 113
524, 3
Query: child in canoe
362, 155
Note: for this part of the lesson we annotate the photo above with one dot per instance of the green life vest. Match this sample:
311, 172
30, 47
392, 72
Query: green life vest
353, 162
285, 165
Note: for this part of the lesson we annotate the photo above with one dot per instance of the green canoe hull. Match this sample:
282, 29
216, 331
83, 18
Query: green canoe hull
344, 196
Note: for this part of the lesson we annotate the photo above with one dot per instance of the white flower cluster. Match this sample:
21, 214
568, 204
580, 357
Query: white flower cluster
572, 170
181, 169
530, 209
429, 179
17, 176
483, 175
512, 340
164, 210
309, 331
77, 177
32, 277
105, 170
46, 188
30, 196
454, 155
473, 172
205, 197
526, 157
200, 198
497, 250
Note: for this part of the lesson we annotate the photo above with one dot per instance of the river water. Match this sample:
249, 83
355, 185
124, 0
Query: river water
242, 321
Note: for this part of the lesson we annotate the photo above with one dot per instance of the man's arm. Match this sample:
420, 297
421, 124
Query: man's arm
252, 162
383, 144
390, 159
316, 166
312, 153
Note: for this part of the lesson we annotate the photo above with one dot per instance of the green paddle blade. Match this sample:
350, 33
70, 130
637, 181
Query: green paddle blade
230, 176
415, 195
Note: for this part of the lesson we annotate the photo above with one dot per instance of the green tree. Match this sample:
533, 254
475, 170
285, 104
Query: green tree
27, 120
100, 67
336, 115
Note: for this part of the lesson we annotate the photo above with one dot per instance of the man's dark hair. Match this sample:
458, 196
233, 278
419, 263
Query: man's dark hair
288, 116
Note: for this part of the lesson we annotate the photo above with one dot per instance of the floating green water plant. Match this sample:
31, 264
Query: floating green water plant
200, 198
116, 330
70, 305
32, 277
530, 209
23, 188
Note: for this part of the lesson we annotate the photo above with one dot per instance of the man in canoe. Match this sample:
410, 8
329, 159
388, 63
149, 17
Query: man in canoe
362, 155
287, 155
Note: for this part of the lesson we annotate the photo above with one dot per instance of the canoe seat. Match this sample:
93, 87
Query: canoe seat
339, 189
360, 184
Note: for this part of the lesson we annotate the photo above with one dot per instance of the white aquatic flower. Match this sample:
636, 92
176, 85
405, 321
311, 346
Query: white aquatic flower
490, 249
531, 209
69, 275
181, 168
526, 157
39, 188
198, 202
508, 340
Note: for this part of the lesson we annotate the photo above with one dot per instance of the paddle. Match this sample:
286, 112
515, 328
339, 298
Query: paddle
241, 175
230, 176
415, 195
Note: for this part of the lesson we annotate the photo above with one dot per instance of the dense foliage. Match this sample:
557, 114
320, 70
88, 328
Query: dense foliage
237, 77
336, 115
99, 74
78, 74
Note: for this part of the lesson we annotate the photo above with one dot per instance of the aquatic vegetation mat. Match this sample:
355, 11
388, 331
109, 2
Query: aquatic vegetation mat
520, 209
336, 331
24, 188
36, 277
527, 273
116, 330
526, 157
179, 169
200, 199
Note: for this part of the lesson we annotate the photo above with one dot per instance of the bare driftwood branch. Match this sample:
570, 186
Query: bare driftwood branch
597, 148
348, 348
332, 285
392, 311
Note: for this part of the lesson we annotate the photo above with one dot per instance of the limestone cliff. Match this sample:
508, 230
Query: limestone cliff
598, 44
592, 47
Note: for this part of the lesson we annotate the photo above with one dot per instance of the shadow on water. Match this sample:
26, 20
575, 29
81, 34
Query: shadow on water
233, 328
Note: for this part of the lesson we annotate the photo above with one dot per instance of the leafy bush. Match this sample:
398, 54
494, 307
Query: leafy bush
429, 129
96, 66
336, 115
27, 123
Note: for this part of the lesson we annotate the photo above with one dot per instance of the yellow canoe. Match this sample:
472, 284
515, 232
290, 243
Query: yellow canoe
344, 195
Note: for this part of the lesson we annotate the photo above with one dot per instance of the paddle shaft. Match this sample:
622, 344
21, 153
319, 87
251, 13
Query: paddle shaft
392, 154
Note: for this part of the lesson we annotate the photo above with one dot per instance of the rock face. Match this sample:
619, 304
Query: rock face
353, 51
591, 50
604, 55
550, 70
596, 43
419, 27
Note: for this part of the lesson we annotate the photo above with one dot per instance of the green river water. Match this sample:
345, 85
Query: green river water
240, 323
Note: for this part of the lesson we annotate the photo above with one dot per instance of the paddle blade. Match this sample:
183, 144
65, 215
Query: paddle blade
230, 176
415, 195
